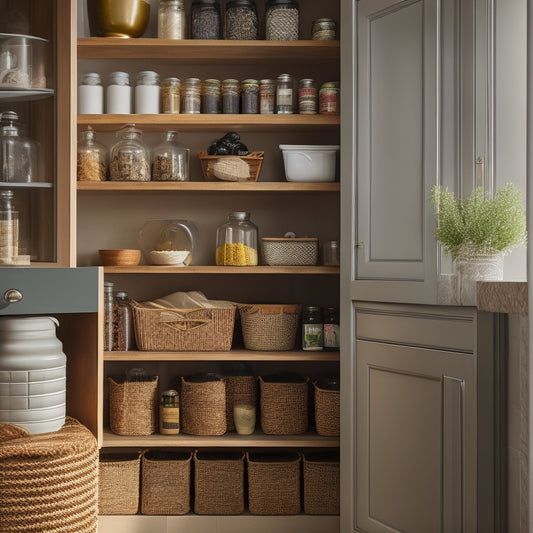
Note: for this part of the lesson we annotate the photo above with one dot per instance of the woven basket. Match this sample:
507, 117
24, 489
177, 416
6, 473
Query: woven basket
133, 407
327, 409
290, 251
321, 475
118, 483
218, 483
239, 389
203, 406
48, 482
269, 327
165, 483
229, 167
284, 406
273, 483
183, 330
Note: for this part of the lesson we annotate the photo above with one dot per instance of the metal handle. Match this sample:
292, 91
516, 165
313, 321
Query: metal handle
12, 296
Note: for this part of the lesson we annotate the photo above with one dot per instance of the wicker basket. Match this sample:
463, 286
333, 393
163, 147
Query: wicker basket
284, 405
321, 475
203, 405
273, 483
183, 330
133, 407
239, 389
165, 483
118, 483
327, 407
48, 482
230, 167
290, 251
219, 483
269, 327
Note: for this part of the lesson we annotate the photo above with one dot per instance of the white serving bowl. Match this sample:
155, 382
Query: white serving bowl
309, 162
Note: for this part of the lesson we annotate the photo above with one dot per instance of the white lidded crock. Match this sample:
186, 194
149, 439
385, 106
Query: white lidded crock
32, 374
309, 162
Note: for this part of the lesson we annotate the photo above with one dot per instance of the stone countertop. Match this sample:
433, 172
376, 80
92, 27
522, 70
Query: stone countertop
502, 297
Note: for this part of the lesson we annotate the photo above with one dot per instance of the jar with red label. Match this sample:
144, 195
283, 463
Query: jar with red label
329, 102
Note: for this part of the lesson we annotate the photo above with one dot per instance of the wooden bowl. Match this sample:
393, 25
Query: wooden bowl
120, 257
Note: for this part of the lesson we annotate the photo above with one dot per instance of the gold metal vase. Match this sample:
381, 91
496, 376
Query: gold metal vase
118, 18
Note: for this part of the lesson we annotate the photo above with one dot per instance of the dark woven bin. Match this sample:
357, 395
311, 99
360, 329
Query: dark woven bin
239, 389
165, 483
218, 483
327, 407
321, 475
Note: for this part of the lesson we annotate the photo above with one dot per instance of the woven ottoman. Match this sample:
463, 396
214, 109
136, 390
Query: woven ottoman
48, 482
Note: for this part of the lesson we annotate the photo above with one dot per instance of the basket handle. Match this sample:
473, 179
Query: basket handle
180, 322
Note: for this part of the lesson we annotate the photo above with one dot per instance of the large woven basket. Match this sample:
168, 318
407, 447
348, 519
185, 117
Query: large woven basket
290, 251
133, 407
284, 405
321, 475
273, 483
269, 327
239, 389
165, 483
219, 483
183, 330
327, 408
48, 482
230, 167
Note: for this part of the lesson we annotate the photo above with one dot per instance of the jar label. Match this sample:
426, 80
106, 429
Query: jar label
312, 337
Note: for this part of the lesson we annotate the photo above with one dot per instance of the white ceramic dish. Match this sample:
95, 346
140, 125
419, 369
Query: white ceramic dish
308, 162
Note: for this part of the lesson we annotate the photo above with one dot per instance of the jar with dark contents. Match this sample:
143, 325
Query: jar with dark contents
267, 97
250, 97
171, 95
307, 97
284, 97
205, 19
230, 96
123, 334
191, 99
323, 29
211, 97
242, 23
282, 20
312, 328
329, 103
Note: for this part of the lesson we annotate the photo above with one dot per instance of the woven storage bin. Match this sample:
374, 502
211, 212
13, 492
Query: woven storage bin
165, 483
327, 407
203, 405
48, 482
273, 483
218, 483
290, 251
133, 407
118, 483
183, 330
269, 327
239, 389
229, 167
284, 405
321, 475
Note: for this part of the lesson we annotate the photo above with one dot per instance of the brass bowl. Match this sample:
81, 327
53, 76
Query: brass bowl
118, 18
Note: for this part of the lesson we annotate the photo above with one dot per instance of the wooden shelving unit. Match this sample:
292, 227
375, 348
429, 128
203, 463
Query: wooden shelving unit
217, 270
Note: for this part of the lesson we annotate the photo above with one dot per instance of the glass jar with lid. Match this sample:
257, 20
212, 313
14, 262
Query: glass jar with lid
14, 167
130, 158
230, 96
323, 29
267, 96
242, 23
284, 97
282, 20
329, 103
91, 157
307, 97
237, 241
171, 20
147, 93
250, 97
9, 229
118, 93
90, 94
205, 19
171, 95
312, 328
191, 96
170, 159
211, 97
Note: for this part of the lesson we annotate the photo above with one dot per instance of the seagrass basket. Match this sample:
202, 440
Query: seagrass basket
327, 407
290, 251
219, 483
165, 483
321, 482
231, 167
239, 389
48, 482
273, 483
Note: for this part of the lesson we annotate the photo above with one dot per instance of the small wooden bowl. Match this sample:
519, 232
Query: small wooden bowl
120, 257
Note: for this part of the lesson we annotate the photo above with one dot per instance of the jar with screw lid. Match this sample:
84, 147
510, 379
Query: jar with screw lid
312, 328
90, 94
282, 18
205, 19
230, 96
329, 103
237, 241
267, 96
130, 158
242, 23
169, 413
170, 159
171, 21
91, 157
284, 96
211, 96
307, 97
171, 95
191, 96
250, 97
147, 93
323, 29
118, 93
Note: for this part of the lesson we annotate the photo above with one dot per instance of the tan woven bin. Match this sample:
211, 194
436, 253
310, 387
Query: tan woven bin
273, 483
321, 475
254, 160
327, 408
118, 483
48, 482
165, 483
239, 389
219, 483
295, 251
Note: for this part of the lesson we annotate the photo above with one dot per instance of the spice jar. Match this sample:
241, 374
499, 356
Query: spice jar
170, 95
90, 94
170, 159
130, 160
147, 92
284, 94
109, 305
230, 96
123, 333
205, 19
250, 97
118, 93
171, 21
242, 23
282, 20
267, 96
91, 157
329, 103
323, 29
211, 97
237, 241
307, 97
191, 100
312, 328
331, 329
9, 229
169, 413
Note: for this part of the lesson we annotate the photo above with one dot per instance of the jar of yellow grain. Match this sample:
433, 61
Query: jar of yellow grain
237, 241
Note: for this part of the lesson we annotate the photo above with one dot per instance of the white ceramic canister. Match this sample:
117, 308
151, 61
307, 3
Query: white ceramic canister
147, 93
118, 94
32, 374
90, 95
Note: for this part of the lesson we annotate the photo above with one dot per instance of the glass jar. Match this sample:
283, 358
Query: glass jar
237, 241
211, 97
123, 333
171, 95
267, 97
205, 19
329, 103
9, 229
331, 329
307, 97
90, 94
13, 168
323, 29
109, 304
118, 93
282, 19
147, 93
169, 413
171, 21
91, 158
284, 98
170, 159
230, 96
191, 99
312, 328
130, 159
242, 23
330, 253
250, 97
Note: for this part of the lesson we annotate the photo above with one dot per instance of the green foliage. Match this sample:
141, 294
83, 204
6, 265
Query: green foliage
479, 225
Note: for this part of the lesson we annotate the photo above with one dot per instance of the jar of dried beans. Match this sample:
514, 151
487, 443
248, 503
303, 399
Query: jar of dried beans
282, 20
237, 241
242, 23
205, 19
170, 159
130, 160
91, 158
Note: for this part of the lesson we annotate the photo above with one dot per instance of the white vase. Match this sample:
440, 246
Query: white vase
476, 268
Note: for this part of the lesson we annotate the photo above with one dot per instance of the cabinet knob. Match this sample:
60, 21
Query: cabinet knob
12, 296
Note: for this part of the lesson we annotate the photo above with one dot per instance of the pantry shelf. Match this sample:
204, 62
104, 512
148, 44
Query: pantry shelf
211, 269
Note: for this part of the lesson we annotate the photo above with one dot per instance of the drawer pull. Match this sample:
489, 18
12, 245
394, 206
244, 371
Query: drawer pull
12, 296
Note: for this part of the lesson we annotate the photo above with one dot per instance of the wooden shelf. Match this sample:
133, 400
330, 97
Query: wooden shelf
151, 269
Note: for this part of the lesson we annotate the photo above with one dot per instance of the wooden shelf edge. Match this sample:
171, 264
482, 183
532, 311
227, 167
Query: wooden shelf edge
209, 269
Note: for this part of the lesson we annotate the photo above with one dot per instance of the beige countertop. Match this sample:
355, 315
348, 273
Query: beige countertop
502, 297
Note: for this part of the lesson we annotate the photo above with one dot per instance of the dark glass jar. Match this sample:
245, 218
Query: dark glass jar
230, 96
211, 97
312, 328
242, 23
282, 19
205, 19
331, 329
250, 97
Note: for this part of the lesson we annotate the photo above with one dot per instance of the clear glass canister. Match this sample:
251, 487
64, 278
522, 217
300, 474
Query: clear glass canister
91, 158
242, 23
230, 96
118, 93
109, 305
329, 103
170, 159
211, 97
284, 95
250, 97
171, 20
307, 97
90, 94
191, 96
14, 166
147, 93
237, 241
130, 159
205, 19
323, 29
123, 334
282, 20
171, 95
9, 229
267, 96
